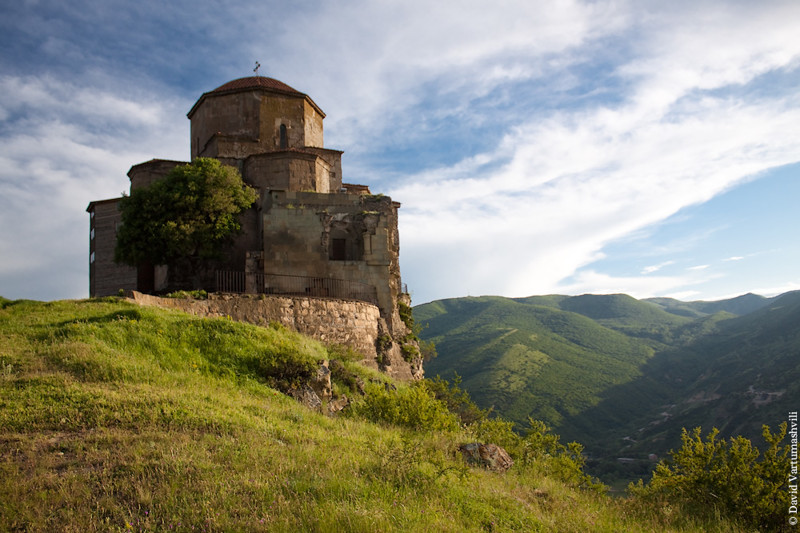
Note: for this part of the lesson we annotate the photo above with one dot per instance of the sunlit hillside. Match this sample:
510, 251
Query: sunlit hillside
120, 418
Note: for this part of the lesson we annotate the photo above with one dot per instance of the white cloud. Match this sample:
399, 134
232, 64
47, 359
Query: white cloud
590, 281
570, 184
684, 295
764, 290
775, 290
655, 268
391, 56
64, 146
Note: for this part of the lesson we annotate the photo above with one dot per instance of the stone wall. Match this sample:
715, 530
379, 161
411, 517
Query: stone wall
299, 229
348, 322
106, 277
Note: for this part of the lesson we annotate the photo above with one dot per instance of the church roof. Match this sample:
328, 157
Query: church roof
258, 83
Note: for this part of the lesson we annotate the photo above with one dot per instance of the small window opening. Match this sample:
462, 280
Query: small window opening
284, 140
346, 244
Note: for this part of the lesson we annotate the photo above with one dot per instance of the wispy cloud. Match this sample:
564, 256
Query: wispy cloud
596, 282
655, 268
576, 180
63, 146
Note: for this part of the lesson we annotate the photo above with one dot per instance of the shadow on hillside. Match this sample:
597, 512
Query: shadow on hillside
737, 379
61, 328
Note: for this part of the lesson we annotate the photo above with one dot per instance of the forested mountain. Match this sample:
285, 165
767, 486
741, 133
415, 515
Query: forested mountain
620, 375
741, 305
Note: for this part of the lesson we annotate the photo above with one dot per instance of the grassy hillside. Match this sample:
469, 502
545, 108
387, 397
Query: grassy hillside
623, 376
120, 418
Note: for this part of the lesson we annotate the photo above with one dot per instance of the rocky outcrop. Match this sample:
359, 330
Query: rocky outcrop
334, 406
342, 375
307, 396
488, 456
321, 383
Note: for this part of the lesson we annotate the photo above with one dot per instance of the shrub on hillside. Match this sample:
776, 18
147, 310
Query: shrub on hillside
456, 399
717, 476
543, 449
411, 461
538, 450
414, 407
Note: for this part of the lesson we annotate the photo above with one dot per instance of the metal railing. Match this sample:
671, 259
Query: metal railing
227, 281
285, 285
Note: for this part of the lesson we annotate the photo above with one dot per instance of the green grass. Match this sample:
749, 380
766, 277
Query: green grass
120, 418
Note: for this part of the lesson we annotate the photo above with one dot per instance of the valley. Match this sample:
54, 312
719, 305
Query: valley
619, 375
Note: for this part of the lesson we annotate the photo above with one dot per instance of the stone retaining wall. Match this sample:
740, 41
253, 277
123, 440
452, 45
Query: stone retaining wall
351, 323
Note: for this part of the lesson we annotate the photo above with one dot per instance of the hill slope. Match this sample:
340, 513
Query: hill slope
741, 305
525, 359
120, 418
739, 374
623, 376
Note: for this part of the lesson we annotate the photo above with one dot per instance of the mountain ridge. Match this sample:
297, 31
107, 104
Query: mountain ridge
621, 375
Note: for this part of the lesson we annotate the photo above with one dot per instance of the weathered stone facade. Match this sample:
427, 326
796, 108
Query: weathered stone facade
308, 234
105, 276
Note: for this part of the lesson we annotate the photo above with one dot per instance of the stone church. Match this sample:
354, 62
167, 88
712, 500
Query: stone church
309, 233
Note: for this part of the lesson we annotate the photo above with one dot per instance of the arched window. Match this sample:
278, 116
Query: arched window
284, 140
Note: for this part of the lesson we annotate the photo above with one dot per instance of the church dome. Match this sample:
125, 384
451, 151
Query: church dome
257, 82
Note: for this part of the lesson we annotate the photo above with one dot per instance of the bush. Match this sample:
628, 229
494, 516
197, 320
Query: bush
538, 451
543, 450
412, 462
456, 399
406, 314
188, 295
413, 407
498, 431
713, 476
410, 352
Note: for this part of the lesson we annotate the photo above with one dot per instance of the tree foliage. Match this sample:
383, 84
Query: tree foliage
189, 215
715, 475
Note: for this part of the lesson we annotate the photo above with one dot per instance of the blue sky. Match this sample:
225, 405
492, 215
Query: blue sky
650, 148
